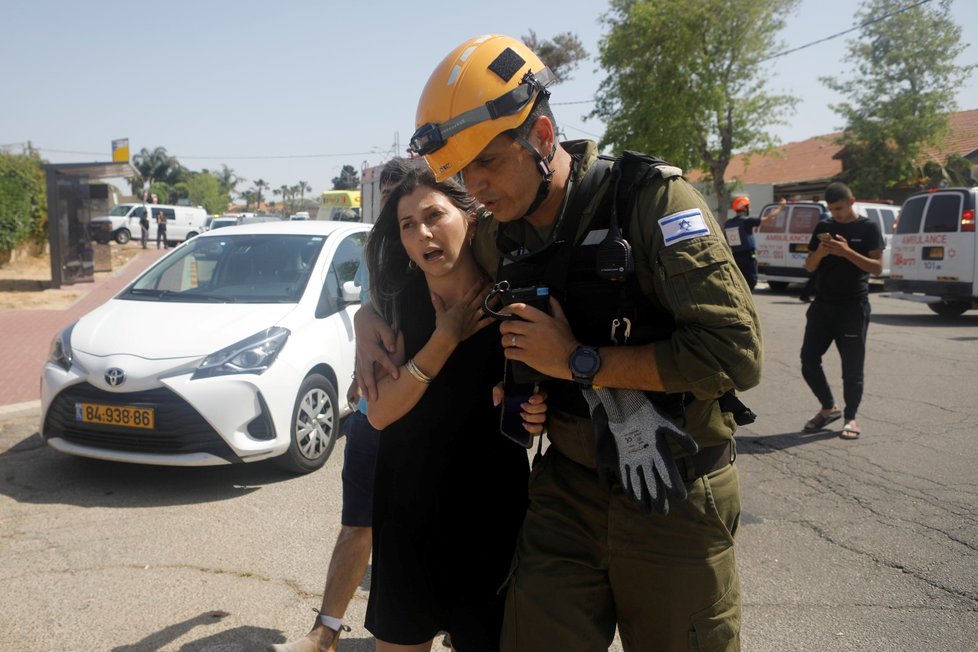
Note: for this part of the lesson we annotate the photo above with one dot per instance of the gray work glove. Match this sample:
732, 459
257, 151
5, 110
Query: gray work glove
640, 436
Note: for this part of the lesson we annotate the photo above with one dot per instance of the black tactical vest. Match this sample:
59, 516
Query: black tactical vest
601, 312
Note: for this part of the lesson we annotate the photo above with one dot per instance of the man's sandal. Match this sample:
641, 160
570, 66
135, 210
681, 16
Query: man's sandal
850, 431
819, 421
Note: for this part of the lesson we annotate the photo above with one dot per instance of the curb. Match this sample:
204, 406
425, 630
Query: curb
17, 410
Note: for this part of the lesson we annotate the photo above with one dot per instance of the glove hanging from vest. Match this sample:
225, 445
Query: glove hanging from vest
637, 452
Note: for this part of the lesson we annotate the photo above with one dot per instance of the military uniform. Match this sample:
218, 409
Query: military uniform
589, 559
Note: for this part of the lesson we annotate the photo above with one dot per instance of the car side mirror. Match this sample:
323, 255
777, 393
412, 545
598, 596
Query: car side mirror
350, 293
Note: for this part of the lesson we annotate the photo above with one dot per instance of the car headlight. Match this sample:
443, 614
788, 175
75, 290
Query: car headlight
252, 355
60, 352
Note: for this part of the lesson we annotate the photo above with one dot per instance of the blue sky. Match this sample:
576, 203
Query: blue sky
293, 90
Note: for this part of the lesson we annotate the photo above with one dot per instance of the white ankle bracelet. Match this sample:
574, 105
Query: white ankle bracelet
335, 624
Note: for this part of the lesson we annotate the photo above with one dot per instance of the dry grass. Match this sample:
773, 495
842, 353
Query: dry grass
25, 284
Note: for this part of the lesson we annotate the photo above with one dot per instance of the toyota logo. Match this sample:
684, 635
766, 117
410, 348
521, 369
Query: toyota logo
115, 376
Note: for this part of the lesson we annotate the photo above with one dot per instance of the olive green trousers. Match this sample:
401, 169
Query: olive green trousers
588, 559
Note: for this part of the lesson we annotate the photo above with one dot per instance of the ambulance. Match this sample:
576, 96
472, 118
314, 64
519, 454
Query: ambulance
935, 259
342, 205
782, 244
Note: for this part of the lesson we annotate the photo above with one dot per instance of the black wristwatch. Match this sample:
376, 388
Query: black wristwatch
584, 365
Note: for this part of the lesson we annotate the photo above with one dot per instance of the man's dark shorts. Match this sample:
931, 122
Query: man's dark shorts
359, 468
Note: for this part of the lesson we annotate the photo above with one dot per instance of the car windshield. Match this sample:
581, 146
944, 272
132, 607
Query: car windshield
255, 268
121, 210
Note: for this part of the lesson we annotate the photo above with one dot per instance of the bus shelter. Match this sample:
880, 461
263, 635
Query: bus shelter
72, 202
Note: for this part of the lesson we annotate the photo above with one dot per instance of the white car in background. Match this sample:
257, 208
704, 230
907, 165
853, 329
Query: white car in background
229, 349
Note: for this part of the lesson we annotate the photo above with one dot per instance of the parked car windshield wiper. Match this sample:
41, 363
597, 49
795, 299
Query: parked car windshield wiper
170, 295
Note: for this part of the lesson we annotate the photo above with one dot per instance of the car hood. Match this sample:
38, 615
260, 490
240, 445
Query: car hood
161, 330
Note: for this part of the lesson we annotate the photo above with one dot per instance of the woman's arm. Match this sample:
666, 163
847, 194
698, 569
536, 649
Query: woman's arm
397, 396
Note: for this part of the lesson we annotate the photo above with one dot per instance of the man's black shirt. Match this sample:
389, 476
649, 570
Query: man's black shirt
838, 280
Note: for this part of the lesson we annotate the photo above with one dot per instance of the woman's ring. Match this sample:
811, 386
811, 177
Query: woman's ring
513, 341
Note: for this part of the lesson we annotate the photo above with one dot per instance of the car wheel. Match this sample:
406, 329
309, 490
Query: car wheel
122, 236
777, 286
314, 427
192, 234
950, 308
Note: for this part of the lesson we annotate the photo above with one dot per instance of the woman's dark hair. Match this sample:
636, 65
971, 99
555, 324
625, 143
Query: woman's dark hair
387, 261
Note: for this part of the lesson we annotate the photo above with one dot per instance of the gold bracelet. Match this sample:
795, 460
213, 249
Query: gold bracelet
419, 375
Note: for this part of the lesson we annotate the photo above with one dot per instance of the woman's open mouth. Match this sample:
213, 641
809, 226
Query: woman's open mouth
434, 254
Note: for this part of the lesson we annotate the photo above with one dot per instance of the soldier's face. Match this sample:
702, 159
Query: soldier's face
504, 177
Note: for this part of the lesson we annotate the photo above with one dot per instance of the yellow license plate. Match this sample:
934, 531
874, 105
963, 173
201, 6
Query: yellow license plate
116, 415
933, 253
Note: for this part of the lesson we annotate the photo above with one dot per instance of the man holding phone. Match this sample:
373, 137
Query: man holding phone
845, 250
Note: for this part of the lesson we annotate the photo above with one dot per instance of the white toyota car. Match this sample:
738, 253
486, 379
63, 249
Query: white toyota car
232, 348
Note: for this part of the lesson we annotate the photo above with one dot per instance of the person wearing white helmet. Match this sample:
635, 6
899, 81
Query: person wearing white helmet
634, 507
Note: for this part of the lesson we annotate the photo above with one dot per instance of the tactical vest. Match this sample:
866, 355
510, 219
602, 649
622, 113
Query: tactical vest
601, 312
744, 233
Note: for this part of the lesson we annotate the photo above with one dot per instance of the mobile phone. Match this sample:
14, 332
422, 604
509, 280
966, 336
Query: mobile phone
824, 236
510, 417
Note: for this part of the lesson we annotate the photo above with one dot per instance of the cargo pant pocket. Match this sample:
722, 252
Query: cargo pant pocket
717, 628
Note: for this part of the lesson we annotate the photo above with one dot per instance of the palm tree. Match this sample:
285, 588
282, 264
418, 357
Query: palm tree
158, 165
284, 192
260, 184
303, 187
228, 179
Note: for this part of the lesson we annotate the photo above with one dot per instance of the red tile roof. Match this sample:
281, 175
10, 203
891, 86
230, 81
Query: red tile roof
814, 159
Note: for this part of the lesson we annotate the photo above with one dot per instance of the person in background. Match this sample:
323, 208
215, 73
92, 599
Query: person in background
739, 231
143, 230
845, 250
351, 553
161, 230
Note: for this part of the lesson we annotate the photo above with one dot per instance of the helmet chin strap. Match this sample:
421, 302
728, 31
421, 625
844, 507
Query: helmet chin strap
546, 172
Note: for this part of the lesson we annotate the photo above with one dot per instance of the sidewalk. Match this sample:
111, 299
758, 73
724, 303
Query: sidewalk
27, 335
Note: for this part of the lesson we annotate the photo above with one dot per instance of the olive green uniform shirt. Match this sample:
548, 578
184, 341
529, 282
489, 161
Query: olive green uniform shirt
716, 345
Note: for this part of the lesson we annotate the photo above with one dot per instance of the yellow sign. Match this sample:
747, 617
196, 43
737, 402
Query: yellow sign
120, 150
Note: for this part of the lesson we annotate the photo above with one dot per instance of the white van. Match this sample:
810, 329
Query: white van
782, 244
122, 222
935, 258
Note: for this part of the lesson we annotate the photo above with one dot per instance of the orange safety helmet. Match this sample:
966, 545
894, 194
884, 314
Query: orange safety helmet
484, 87
741, 203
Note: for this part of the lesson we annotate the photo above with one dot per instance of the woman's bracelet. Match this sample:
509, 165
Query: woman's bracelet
419, 375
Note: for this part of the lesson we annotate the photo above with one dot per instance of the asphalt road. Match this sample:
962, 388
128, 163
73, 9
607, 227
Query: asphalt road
862, 545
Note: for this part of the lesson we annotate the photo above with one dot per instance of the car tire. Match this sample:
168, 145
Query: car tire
314, 427
192, 234
777, 286
950, 308
122, 236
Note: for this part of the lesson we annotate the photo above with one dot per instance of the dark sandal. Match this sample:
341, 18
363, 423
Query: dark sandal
850, 431
819, 421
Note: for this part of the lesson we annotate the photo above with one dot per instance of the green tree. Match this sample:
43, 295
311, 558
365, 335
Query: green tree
227, 178
23, 199
349, 179
562, 53
156, 165
686, 81
206, 190
904, 81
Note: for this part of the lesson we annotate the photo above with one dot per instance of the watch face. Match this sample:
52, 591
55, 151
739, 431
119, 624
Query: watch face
585, 362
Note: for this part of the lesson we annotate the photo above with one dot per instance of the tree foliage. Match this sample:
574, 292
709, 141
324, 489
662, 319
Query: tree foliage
561, 54
156, 165
204, 189
349, 179
900, 93
685, 80
23, 199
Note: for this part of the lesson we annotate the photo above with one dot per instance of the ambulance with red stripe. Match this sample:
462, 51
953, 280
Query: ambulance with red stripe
782, 243
935, 259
